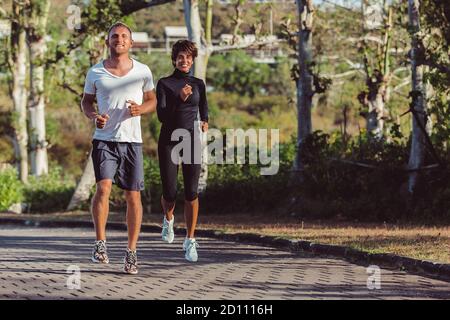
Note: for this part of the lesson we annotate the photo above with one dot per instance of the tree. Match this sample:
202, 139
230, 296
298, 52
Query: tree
305, 78
435, 47
17, 62
36, 31
377, 17
419, 138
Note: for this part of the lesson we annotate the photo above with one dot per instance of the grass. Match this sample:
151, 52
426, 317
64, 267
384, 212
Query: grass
414, 241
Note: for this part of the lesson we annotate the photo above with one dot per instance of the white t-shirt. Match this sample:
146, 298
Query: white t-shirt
112, 93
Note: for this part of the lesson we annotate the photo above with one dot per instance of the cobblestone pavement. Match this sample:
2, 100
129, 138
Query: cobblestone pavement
39, 263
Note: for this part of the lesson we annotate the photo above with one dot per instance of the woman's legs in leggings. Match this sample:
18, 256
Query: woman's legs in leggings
191, 174
169, 172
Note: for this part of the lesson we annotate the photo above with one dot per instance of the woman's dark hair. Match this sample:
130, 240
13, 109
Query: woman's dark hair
183, 45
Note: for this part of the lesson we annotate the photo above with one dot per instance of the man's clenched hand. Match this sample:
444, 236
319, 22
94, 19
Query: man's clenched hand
100, 120
135, 109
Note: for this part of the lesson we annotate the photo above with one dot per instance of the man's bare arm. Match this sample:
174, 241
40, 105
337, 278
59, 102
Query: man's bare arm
148, 106
87, 105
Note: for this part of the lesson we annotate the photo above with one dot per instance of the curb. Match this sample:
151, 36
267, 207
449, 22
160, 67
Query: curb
440, 271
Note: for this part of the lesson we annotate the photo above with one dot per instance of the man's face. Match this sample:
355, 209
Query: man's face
119, 40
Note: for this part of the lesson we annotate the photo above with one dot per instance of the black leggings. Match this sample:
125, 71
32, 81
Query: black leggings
169, 173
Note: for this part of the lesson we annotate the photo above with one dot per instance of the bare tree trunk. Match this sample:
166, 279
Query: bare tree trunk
375, 102
417, 154
83, 189
187, 16
376, 15
238, 20
18, 65
305, 81
429, 92
38, 48
196, 37
375, 121
208, 30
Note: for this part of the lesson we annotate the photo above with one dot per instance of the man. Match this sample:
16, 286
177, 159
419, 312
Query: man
124, 90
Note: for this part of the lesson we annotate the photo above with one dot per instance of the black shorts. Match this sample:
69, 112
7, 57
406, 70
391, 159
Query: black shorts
121, 162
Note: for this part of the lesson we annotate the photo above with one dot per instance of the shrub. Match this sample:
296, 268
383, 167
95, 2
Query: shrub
11, 189
50, 192
242, 188
237, 72
153, 189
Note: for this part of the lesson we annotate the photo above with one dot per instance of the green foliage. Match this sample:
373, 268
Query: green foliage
336, 178
348, 189
361, 179
155, 128
280, 79
440, 109
153, 185
239, 187
52, 130
50, 192
7, 154
159, 63
435, 48
224, 101
230, 110
237, 72
100, 15
3, 55
11, 189
6, 146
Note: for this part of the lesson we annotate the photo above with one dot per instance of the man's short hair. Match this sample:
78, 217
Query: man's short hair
184, 45
120, 24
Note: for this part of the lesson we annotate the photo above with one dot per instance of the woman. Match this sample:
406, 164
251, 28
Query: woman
181, 102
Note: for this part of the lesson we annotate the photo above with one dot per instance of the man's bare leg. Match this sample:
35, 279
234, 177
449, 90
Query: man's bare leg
134, 217
100, 208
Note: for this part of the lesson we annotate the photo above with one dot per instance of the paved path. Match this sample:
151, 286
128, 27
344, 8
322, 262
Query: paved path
34, 263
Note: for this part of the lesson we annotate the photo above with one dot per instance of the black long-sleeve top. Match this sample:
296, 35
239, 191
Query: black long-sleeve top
172, 111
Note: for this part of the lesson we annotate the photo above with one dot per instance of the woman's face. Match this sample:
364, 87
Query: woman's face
184, 61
